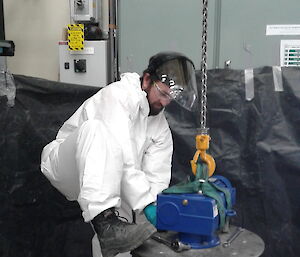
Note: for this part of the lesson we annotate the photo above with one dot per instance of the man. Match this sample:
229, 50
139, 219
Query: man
117, 147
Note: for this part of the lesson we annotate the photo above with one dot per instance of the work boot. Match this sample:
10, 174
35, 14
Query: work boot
116, 236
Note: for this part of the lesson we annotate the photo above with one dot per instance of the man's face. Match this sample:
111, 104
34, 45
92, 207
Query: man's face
157, 95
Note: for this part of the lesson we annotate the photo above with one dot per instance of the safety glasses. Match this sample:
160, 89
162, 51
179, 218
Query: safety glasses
174, 93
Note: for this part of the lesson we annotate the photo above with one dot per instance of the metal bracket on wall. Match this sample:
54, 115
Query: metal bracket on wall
227, 64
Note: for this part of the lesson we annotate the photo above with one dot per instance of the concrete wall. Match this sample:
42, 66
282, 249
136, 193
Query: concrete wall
36, 27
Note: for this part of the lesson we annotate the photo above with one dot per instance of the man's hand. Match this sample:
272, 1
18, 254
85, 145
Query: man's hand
150, 213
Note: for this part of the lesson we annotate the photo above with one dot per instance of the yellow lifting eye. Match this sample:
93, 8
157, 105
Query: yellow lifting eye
202, 144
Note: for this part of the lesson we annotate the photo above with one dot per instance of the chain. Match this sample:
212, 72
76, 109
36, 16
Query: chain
203, 128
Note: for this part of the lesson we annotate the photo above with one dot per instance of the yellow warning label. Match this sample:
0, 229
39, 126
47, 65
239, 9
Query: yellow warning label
75, 37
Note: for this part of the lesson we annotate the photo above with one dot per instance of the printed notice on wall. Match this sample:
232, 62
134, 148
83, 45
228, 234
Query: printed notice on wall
76, 37
290, 53
289, 29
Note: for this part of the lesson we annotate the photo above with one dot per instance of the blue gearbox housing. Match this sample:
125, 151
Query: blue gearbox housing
193, 215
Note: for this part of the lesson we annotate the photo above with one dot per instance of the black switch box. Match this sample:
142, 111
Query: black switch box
7, 48
80, 65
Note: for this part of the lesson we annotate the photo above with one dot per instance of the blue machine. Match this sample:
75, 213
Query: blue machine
194, 216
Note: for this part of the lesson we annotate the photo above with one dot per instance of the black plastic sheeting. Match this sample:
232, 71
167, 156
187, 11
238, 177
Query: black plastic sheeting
36, 220
255, 144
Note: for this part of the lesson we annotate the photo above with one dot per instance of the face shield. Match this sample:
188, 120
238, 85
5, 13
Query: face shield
179, 75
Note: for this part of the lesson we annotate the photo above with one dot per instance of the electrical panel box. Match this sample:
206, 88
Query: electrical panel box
84, 10
86, 67
234, 34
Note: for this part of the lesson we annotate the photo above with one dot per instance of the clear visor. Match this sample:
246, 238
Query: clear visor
179, 75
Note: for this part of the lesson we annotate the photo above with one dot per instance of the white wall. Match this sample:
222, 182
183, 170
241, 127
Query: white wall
35, 26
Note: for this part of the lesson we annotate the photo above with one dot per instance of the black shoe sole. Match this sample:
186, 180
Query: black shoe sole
149, 230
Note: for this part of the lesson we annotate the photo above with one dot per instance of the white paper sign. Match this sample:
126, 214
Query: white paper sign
291, 29
290, 53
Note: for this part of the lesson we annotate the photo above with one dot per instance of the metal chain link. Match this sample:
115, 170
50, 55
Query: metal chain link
203, 128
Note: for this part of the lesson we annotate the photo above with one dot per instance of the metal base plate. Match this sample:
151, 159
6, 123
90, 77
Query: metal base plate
247, 244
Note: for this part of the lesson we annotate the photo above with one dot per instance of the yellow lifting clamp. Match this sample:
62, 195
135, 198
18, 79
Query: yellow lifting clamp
202, 144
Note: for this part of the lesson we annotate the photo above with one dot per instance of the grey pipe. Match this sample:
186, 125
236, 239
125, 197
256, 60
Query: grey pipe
113, 40
3, 65
2, 30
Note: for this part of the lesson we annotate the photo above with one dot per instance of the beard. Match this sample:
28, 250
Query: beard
155, 110
155, 107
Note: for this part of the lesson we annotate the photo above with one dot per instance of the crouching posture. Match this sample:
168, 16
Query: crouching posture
117, 147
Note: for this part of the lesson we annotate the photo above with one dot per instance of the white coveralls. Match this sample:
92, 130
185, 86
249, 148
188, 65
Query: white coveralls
111, 150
